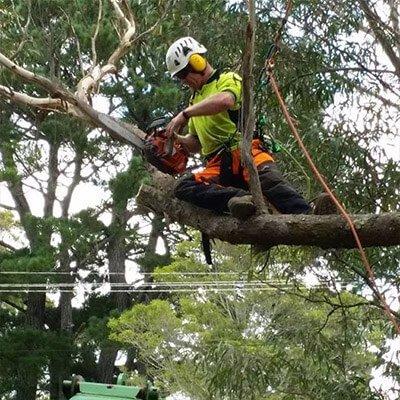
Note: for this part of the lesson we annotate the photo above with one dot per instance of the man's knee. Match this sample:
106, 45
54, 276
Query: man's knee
184, 187
270, 176
279, 192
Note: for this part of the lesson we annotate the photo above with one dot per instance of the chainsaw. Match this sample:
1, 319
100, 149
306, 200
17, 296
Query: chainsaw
163, 152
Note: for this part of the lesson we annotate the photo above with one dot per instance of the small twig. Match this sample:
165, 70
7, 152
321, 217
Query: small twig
7, 207
162, 16
327, 319
78, 44
7, 246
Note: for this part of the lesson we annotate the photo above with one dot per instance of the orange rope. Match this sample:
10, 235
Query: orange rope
343, 212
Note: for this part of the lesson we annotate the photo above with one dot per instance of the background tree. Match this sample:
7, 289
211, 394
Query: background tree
254, 337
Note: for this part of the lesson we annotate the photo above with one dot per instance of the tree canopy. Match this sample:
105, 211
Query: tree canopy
79, 209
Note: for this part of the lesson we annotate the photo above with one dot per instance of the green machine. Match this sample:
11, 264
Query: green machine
78, 389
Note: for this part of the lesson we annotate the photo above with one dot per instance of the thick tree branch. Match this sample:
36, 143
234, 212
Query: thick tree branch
22, 99
248, 111
394, 18
128, 22
7, 207
13, 305
325, 231
15, 184
85, 111
96, 32
15, 187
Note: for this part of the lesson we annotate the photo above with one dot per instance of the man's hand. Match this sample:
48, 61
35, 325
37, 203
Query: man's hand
176, 125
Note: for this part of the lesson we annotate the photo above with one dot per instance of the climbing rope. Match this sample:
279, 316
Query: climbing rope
268, 68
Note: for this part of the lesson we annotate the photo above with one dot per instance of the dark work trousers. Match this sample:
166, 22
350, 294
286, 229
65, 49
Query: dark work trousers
206, 190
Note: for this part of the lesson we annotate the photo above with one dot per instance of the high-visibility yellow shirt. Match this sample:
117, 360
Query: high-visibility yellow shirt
220, 129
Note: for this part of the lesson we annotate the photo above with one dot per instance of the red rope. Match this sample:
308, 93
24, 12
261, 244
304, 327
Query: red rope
343, 212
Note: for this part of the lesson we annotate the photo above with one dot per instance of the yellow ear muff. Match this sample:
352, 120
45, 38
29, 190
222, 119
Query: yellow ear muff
197, 62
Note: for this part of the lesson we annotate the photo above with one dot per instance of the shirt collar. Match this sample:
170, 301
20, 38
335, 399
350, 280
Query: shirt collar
214, 76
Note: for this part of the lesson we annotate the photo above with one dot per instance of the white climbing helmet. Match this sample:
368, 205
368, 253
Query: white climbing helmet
180, 51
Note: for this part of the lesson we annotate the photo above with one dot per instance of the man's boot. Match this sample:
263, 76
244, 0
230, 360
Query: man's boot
242, 207
324, 205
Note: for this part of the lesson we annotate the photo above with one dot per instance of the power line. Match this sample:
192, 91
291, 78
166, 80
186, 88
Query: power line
189, 290
115, 273
176, 283
167, 283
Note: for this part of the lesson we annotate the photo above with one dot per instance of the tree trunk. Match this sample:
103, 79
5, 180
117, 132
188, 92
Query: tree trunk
27, 385
56, 378
116, 255
28, 377
106, 364
116, 264
60, 367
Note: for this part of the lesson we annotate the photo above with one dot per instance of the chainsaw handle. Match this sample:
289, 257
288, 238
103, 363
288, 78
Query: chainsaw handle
169, 147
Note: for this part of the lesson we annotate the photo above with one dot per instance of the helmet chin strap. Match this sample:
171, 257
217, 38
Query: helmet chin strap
207, 72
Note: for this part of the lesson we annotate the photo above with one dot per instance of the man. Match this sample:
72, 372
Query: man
212, 117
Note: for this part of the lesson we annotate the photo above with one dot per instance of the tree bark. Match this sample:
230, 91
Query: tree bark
248, 118
27, 386
105, 371
28, 378
325, 231
116, 254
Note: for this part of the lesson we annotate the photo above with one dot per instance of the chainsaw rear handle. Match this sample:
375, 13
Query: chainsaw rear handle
169, 147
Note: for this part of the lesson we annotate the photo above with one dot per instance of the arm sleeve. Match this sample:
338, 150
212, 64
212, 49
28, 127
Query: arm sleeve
231, 82
191, 128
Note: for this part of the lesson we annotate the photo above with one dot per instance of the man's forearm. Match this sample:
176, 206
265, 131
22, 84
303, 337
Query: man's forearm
212, 105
